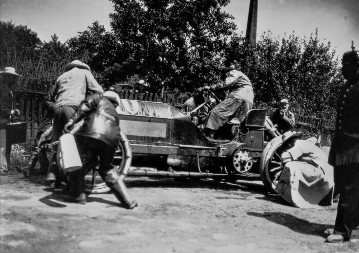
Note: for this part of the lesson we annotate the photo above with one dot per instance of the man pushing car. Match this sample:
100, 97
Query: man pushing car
99, 136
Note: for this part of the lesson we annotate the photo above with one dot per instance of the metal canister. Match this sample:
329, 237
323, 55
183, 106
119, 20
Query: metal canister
195, 120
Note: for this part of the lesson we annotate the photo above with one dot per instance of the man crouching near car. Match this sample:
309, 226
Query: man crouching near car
99, 136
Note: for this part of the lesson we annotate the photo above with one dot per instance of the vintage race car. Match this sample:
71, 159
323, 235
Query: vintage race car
164, 142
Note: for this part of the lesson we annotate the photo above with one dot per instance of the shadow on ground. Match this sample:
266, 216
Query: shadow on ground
250, 186
58, 200
294, 223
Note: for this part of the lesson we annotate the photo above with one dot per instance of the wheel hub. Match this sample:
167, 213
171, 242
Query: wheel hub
242, 161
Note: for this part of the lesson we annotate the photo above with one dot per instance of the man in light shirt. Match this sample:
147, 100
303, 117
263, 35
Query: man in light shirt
69, 90
236, 104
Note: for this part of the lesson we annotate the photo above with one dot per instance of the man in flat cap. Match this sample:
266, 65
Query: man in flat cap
283, 118
8, 80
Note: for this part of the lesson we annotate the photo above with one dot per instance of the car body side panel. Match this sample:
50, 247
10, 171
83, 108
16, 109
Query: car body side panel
161, 136
145, 121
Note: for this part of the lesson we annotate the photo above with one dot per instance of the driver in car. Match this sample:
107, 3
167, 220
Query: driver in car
236, 104
199, 105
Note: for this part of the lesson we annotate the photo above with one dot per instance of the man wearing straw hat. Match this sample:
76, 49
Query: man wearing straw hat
64, 97
9, 79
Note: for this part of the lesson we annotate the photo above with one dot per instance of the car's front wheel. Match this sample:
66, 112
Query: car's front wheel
271, 165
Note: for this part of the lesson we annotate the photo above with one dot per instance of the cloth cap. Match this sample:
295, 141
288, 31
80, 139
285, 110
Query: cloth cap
10, 71
143, 83
78, 64
112, 96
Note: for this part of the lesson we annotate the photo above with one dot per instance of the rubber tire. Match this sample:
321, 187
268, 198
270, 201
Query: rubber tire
270, 154
96, 188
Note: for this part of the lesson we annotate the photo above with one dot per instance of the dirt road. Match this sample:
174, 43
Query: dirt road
173, 216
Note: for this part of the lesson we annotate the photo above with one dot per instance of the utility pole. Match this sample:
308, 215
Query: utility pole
251, 32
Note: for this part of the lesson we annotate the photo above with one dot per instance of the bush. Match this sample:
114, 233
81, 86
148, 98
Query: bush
19, 156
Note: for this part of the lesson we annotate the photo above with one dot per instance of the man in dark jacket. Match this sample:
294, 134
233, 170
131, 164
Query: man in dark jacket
99, 136
344, 152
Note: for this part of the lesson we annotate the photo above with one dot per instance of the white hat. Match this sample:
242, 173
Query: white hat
77, 64
10, 71
284, 101
113, 96
142, 82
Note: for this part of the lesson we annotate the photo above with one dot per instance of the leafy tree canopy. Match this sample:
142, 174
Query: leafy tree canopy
183, 44
176, 42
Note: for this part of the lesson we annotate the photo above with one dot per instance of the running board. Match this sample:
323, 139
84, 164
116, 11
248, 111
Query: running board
172, 174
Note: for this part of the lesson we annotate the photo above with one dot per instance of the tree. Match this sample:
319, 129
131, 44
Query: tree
16, 42
100, 50
39, 63
303, 70
177, 42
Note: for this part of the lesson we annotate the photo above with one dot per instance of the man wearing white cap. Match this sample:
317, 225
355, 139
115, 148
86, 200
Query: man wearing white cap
9, 79
99, 136
142, 86
64, 97
283, 118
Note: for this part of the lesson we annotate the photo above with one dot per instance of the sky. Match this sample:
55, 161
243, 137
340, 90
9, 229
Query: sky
337, 21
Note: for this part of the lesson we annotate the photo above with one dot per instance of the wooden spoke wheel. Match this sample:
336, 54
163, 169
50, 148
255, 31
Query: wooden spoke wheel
271, 165
122, 161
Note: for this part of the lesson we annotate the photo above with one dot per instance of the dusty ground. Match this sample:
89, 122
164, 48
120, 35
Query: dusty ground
173, 216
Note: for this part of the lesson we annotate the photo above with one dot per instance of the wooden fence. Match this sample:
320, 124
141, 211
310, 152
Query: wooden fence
32, 110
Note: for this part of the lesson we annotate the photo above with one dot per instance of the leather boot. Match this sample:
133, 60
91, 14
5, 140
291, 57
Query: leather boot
81, 199
51, 172
32, 163
120, 190
76, 184
50, 178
